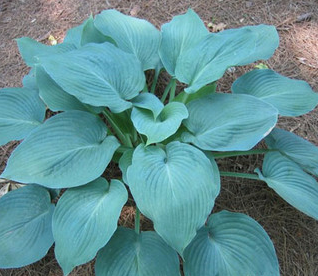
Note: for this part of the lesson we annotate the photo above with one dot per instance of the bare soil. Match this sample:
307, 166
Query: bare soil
295, 235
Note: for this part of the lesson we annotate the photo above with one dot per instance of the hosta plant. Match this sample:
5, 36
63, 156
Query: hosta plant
165, 145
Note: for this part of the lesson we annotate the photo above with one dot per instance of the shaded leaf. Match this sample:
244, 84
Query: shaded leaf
25, 226
124, 162
90, 214
130, 254
164, 125
231, 244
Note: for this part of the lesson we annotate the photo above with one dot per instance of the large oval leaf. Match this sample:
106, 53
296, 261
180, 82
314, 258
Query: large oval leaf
294, 147
21, 110
291, 97
131, 254
84, 220
180, 34
133, 35
68, 150
231, 244
163, 126
225, 122
31, 50
175, 188
288, 180
209, 59
97, 74
25, 226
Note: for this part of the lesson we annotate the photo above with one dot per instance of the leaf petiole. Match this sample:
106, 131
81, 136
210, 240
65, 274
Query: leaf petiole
241, 175
217, 155
137, 221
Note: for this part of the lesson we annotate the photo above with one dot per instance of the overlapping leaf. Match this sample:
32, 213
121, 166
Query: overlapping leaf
25, 226
179, 35
209, 59
291, 183
150, 102
31, 50
182, 177
86, 33
85, 219
294, 147
231, 244
131, 254
55, 97
97, 74
124, 163
68, 150
161, 127
21, 111
218, 122
132, 35
291, 97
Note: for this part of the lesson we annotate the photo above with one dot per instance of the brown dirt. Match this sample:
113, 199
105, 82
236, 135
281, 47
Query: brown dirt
294, 234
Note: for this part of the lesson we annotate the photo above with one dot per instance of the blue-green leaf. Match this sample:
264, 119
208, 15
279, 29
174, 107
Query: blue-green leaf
131, 254
25, 226
179, 35
30, 49
97, 74
29, 80
150, 102
124, 162
294, 147
70, 149
181, 177
85, 33
225, 122
160, 128
21, 110
209, 59
231, 244
132, 35
84, 220
267, 41
288, 180
55, 97
291, 97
